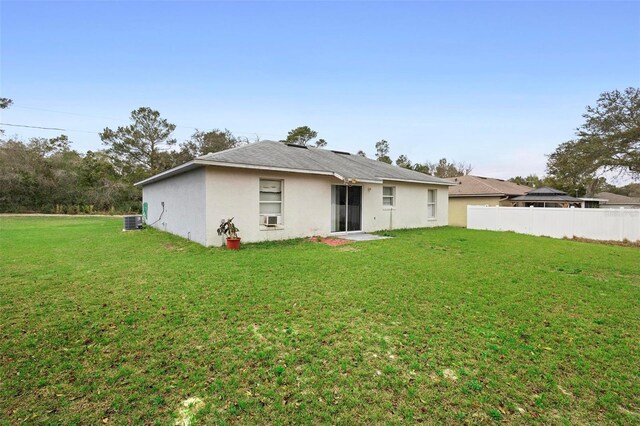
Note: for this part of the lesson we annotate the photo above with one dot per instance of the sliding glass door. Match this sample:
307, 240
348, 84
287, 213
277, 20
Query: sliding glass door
354, 208
346, 208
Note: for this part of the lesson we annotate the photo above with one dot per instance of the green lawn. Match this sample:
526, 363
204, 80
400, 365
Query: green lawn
99, 324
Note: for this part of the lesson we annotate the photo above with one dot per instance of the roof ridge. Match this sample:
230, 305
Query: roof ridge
322, 166
276, 155
355, 158
224, 151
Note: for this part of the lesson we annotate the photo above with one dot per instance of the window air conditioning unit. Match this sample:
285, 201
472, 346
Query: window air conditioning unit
271, 220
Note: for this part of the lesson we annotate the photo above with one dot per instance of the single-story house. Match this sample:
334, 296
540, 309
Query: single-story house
546, 197
591, 202
278, 191
615, 201
479, 191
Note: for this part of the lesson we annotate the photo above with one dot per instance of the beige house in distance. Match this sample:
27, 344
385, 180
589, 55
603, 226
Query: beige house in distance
479, 191
277, 191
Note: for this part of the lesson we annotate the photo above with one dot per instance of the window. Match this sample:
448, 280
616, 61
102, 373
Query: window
432, 196
271, 202
388, 196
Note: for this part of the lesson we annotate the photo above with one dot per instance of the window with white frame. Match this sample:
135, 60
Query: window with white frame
271, 202
432, 197
388, 196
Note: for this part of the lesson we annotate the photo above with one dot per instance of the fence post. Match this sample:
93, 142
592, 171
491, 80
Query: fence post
532, 220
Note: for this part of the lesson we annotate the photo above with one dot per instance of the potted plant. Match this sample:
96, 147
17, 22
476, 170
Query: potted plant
229, 229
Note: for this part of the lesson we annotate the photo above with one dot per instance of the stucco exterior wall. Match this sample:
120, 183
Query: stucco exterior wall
184, 198
236, 193
410, 209
458, 207
196, 202
307, 205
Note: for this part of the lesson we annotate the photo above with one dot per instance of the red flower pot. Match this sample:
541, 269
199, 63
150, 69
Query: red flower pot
233, 243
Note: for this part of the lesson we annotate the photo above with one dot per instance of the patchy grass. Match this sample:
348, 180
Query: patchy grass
623, 243
439, 325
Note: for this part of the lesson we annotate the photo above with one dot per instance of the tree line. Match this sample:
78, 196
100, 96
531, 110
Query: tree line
305, 136
606, 145
47, 175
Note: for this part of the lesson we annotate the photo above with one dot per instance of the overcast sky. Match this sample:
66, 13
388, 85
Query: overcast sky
496, 84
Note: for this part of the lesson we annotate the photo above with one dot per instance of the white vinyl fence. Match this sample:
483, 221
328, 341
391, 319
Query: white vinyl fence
595, 224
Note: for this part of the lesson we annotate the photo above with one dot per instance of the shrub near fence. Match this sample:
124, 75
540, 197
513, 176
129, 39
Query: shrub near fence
595, 224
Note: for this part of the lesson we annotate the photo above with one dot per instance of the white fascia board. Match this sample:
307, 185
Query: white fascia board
174, 171
354, 180
419, 181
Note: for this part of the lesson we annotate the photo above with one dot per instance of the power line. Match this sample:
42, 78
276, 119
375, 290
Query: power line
84, 115
45, 128
32, 127
257, 134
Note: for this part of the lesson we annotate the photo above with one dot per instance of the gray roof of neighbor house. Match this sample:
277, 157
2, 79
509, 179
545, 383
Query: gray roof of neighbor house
617, 198
278, 156
478, 186
547, 194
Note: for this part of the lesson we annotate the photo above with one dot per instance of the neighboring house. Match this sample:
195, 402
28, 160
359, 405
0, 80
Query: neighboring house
479, 191
546, 197
613, 201
278, 191
592, 203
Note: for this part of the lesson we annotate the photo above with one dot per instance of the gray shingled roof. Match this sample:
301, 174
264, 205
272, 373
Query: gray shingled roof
547, 198
270, 154
545, 190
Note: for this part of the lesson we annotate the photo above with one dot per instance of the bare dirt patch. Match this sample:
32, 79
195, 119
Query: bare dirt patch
624, 243
449, 374
189, 408
329, 241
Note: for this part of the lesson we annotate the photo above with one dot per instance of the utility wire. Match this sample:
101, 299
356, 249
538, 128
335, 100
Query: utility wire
46, 128
32, 127
257, 134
